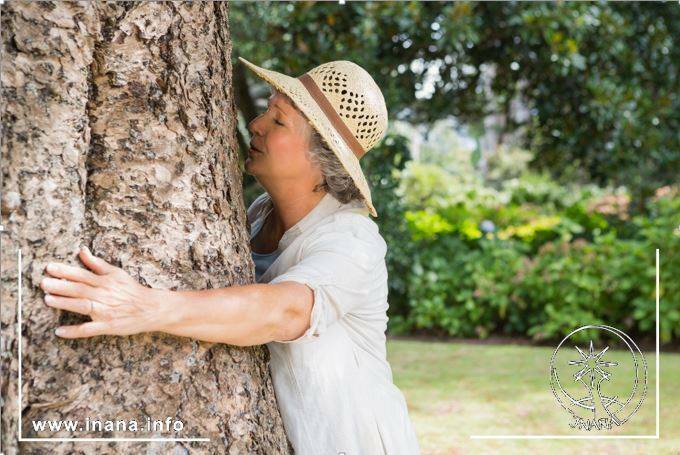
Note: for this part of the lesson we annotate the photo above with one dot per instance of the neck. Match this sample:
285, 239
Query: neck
290, 206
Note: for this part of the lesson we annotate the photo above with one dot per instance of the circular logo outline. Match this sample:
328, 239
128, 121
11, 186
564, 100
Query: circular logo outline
568, 402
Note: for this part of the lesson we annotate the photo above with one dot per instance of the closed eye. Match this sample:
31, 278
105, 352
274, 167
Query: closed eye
276, 121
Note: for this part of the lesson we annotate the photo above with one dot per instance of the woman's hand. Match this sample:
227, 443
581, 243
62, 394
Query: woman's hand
116, 302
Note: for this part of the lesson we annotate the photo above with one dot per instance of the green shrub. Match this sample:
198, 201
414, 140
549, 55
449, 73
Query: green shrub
559, 256
464, 291
661, 230
476, 285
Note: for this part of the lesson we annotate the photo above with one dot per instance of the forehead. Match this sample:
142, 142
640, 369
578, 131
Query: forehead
282, 100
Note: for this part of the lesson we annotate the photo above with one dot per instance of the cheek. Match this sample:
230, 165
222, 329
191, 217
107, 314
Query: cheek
289, 151
278, 144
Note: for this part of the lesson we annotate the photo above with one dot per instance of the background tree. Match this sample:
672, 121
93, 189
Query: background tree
599, 80
118, 132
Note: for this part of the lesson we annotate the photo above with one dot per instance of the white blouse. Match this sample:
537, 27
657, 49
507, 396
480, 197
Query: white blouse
333, 384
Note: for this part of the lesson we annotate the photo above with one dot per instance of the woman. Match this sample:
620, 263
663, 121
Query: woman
321, 298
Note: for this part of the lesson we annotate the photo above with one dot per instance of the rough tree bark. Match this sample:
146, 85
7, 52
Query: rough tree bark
119, 133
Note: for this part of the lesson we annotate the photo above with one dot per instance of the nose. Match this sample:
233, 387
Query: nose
251, 126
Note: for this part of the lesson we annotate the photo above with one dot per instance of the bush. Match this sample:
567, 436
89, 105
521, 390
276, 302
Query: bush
464, 291
545, 270
525, 256
661, 230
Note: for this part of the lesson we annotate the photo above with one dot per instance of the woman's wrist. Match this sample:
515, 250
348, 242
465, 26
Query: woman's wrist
168, 312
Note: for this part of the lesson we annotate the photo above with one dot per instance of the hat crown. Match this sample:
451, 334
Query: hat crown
356, 98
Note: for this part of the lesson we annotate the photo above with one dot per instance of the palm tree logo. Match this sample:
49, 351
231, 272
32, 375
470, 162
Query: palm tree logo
591, 369
590, 406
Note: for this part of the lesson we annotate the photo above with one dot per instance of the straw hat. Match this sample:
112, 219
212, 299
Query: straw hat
344, 104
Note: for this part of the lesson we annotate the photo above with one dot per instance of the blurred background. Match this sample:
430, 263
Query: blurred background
529, 173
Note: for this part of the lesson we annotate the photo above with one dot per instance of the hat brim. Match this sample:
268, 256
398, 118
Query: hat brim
297, 92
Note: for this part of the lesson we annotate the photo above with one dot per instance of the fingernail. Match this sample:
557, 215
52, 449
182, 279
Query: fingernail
49, 298
85, 248
59, 332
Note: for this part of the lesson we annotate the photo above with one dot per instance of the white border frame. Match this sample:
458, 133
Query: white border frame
632, 436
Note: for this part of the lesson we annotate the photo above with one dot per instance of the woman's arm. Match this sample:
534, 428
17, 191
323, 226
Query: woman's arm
119, 305
239, 315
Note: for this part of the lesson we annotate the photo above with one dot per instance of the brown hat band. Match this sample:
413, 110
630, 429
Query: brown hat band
332, 116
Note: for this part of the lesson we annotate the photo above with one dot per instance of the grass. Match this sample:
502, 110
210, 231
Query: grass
455, 390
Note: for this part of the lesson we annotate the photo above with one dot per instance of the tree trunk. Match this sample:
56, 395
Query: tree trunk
119, 133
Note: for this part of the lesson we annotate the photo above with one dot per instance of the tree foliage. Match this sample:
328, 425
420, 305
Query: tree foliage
599, 79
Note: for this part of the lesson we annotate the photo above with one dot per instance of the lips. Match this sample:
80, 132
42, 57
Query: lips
253, 148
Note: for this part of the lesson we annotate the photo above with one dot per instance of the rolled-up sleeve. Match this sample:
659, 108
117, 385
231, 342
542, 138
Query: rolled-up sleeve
337, 267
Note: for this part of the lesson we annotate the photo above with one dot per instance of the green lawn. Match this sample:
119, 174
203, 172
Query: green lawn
455, 390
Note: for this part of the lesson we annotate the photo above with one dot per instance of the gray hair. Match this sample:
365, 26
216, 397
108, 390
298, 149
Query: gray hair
337, 180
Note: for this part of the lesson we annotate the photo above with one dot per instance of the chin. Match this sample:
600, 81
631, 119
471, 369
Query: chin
248, 166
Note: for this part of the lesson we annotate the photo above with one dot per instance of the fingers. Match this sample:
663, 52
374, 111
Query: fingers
67, 288
88, 329
72, 273
97, 265
82, 306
